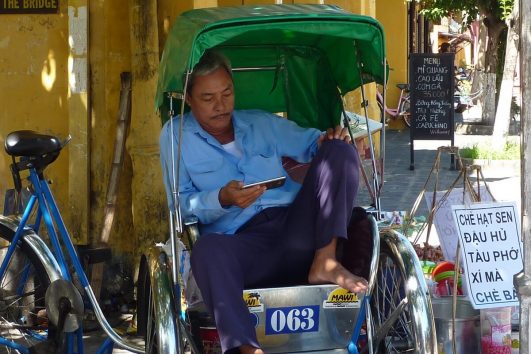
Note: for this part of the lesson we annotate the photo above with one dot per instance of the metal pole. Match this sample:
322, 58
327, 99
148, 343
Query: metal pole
523, 279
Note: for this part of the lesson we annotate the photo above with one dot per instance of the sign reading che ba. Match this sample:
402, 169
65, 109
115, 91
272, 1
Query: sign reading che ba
492, 251
29, 6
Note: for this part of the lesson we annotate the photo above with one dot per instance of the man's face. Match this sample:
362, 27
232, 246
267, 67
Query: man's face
212, 100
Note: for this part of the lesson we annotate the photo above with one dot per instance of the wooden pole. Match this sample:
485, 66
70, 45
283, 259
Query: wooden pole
149, 206
523, 279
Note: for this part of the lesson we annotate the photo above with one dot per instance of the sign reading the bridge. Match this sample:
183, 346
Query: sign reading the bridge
491, 251
431, 83
29, 6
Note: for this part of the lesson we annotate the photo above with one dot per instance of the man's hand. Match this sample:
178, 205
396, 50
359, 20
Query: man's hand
233, 194
336, 133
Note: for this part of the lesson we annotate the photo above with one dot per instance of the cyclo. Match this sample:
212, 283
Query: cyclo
298, 61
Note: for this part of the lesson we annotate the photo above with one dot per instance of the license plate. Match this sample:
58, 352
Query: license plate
299, 319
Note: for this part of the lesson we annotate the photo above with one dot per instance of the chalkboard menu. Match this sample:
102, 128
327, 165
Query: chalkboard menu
431, 84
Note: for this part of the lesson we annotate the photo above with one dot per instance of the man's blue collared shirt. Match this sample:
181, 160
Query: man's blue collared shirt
205, 167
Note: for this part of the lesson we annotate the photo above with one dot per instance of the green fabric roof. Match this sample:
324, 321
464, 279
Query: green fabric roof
315, 47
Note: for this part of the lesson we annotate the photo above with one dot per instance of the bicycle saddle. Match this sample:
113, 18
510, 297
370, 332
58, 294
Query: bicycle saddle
30, 143
403, 86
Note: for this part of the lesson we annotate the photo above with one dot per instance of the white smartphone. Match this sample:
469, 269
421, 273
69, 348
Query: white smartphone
269, 183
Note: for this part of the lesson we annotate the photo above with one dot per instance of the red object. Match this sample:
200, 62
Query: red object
444, 274
210, 339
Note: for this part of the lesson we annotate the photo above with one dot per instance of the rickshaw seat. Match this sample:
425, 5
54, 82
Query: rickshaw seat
300, 318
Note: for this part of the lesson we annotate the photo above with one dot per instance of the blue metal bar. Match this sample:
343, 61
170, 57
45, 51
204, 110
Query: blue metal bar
24, 278
352, 347
70, 342
65, 237
37, 224
106, 347
79, 333
38, 336
7, 343
18, 235
38, 184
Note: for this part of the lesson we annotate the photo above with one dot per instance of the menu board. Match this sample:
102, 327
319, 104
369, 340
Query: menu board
431, 83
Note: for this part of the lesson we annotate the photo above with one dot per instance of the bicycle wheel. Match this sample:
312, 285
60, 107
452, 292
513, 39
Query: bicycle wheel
156, 316
404, 111
22, 290
402, 319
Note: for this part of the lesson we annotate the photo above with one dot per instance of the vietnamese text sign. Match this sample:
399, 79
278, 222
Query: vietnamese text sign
29, 6
491, 249
431, 78
443, 219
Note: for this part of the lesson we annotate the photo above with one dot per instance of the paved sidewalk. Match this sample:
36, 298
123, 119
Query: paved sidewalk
402, 185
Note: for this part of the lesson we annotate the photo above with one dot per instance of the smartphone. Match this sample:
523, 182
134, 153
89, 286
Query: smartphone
269, 183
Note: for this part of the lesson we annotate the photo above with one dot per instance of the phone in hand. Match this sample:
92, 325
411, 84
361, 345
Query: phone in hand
269, 183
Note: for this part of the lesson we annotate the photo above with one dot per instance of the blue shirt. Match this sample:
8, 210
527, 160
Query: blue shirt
205, 167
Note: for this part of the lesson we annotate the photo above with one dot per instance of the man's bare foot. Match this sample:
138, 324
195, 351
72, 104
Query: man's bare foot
247, 349
326, 269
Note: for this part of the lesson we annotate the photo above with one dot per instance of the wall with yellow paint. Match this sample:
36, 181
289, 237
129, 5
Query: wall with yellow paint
34, 86
393, 17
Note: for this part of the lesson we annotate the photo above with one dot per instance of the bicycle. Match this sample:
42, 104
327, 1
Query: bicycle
402, 109
41, 310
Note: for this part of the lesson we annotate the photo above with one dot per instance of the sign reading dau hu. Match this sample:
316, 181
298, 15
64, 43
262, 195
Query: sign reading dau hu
492, 252
29, 6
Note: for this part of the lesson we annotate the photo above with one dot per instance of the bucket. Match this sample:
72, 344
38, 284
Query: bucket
467, 325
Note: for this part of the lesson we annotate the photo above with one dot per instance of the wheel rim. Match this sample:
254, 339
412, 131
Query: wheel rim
22, 310
151, 331
392, 320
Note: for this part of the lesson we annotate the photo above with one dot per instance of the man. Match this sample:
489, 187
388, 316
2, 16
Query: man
253, 236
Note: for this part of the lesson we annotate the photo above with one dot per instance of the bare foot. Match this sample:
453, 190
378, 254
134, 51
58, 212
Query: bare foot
247, 349
326, 269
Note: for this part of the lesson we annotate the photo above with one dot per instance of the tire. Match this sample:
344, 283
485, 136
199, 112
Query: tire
157, 319
22, 309
145, 312
396, 316
405, 112
143, 294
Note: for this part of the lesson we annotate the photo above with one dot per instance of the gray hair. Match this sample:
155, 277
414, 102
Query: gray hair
209, 62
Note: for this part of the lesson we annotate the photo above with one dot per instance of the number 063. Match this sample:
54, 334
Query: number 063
292, 319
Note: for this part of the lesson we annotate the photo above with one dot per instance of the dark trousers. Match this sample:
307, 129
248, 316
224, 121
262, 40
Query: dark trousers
276, 247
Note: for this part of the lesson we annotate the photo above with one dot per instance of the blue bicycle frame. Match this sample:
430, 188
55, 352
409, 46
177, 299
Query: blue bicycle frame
47, 209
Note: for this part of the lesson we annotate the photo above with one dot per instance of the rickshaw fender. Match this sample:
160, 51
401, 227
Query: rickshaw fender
417, 291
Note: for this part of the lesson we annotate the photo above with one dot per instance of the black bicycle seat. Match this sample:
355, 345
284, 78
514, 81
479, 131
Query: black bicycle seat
403, 86
30, 143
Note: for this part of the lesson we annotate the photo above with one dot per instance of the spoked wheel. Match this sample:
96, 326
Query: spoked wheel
145, 312
405, 112
22, 289
157, 320
402, 320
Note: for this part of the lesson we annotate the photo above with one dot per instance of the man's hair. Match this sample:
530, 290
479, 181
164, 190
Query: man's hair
209, 62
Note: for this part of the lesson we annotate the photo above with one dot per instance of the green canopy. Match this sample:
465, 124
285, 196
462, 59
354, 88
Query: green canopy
310, 56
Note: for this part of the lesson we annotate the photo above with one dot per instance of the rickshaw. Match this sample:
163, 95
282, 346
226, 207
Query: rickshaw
298, 61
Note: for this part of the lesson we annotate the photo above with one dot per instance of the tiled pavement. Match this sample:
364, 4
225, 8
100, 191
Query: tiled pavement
402, 185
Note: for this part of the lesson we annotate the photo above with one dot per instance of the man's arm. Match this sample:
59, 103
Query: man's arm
203, 204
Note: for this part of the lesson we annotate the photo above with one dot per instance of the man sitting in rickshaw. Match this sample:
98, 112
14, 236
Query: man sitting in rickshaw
255, 237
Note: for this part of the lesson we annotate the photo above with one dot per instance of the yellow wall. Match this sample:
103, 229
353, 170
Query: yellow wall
34, 56
393, 17
33, 86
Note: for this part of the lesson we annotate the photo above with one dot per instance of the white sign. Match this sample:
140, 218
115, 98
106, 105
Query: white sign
491, 251
443, 219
